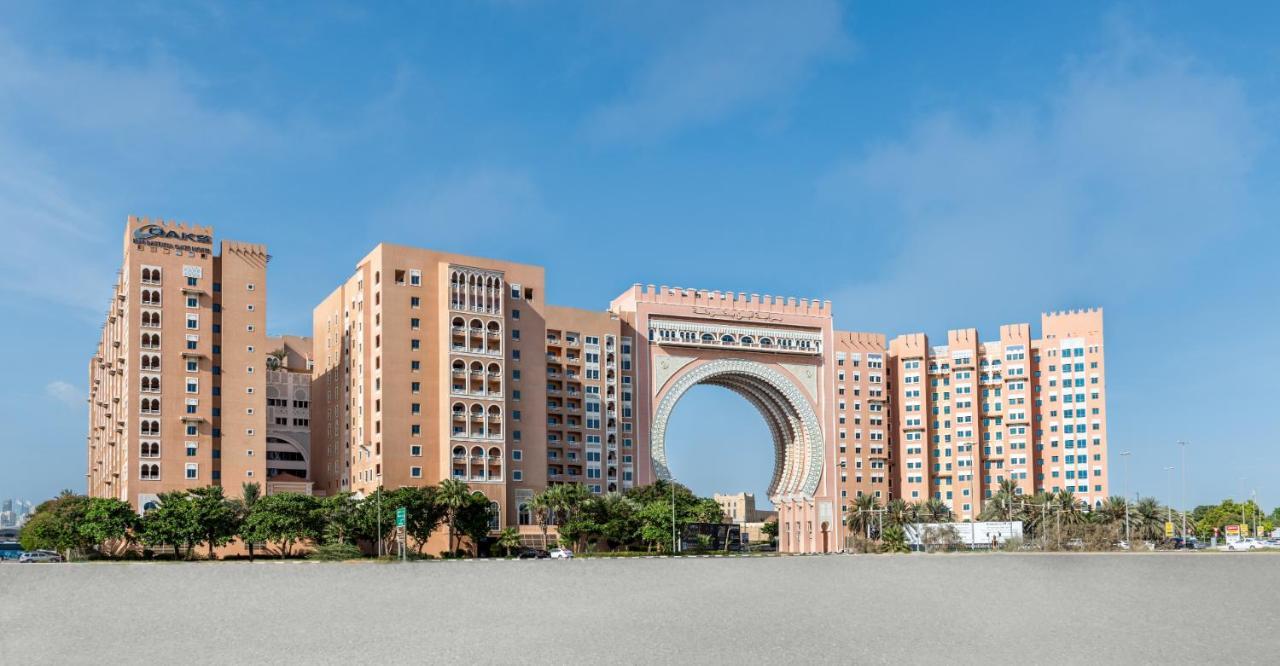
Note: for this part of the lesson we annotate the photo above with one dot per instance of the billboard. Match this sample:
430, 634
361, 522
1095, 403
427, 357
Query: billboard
974, 534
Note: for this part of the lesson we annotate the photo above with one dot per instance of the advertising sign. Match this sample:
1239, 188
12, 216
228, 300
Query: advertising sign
400, 515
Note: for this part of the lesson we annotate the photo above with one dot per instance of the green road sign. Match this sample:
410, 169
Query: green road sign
400, 517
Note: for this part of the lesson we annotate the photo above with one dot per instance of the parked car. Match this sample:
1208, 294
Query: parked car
532, 554
561, 554
1242, 544
40, 556
1178, 543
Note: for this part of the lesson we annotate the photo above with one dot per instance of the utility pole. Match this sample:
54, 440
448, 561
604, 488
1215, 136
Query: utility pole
1184, 490
1125, 455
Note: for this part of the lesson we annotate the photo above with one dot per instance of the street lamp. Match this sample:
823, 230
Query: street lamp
1123, 482
368, 452
674, 542
1168, 489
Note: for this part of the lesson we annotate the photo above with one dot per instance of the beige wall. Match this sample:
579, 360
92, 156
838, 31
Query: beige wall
125, 386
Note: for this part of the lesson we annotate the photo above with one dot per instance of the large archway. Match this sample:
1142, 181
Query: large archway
773, 352
793, 424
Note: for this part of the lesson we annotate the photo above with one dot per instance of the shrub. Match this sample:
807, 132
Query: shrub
334, 552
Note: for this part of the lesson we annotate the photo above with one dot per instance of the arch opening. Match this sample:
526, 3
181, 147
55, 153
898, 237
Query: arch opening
793, 424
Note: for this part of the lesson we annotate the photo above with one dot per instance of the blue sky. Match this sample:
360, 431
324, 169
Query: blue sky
1044, 157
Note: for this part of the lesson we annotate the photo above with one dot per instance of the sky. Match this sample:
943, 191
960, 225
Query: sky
924, 166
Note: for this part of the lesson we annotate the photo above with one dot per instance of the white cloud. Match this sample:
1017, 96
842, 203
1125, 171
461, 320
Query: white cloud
737, 55
63, 392
1137, 163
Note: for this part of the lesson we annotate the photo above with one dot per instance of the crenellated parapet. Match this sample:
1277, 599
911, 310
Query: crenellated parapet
725, 300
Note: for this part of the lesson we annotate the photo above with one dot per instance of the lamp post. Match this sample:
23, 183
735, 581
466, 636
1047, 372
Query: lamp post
675, 544
1183, 445
365, 448
1168, 489
1125, 455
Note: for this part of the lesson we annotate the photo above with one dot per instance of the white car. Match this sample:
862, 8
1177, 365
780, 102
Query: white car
561, 554
1243, 544
40, 556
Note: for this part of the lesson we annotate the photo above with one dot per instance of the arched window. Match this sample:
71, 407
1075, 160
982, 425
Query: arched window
494, 369
726, 339
459, 452
707, 337
495, 454
459, 322
495, 516
477, 453
477, 367
766, 342
747, 340
459, 408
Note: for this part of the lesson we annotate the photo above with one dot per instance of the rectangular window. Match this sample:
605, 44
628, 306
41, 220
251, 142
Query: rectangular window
415, 472
193, 470
193, 322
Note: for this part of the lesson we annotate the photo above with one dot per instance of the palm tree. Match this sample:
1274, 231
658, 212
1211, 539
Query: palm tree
934, 510
899, 512
863, 515
250, 492
1150, 519
509, 540
275, 359
453, 495
540, 506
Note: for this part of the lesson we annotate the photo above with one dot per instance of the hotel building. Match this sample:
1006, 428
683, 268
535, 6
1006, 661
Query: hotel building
176, 386
432, 366
427, 366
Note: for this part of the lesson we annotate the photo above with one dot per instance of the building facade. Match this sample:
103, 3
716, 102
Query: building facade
288, 367
177, 384
431, 366
424, 366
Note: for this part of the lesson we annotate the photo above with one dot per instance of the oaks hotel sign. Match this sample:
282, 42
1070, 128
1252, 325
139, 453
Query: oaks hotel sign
173, 239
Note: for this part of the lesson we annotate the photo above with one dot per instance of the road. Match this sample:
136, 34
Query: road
968, 608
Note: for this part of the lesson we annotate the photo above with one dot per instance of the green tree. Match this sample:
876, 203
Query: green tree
617, 519
424, 512
707, 510
285, 518
250, 493
215, 518
171, 523
473, 518
770, 529
107, 520
454, 496
509, 540
655, 524
899, 512
55, 525
339, 514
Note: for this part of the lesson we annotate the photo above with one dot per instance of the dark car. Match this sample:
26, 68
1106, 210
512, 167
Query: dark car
1178, 543
533, 554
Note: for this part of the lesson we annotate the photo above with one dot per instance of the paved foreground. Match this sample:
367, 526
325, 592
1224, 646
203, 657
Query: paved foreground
1034, 608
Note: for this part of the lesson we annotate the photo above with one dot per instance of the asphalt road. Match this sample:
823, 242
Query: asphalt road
971, 608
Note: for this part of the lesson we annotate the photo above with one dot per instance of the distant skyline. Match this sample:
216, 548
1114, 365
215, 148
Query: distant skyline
885, 157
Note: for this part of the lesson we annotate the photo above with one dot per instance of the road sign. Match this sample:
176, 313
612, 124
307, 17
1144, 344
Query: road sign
1168, 529
400, 514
